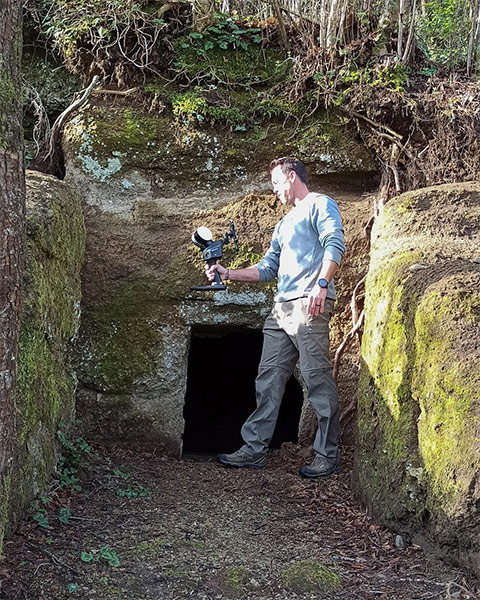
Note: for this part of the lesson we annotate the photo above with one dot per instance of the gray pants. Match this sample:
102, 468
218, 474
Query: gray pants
291, 335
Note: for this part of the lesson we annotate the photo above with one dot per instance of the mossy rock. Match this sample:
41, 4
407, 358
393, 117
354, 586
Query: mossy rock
235, 581
128, 321
309, 576
183, 153
54, 252
419, 391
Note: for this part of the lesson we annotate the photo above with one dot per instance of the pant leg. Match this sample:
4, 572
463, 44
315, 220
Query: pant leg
279, 357
312, 339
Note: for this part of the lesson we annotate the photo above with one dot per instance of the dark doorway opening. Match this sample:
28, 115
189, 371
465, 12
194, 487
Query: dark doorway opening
222, 367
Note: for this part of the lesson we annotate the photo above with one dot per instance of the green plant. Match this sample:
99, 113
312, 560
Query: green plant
443, 31
40, 512
189, 107
394, 77
41, 518
134, 489
71, 459
64, 515
110, 556
86, 557
121, 474
192, 108
104, 553
225, 33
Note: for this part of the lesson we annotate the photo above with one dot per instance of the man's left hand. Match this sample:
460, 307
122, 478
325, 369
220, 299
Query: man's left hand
316, 300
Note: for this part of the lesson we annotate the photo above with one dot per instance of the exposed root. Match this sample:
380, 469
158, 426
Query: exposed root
346, 340
51, 161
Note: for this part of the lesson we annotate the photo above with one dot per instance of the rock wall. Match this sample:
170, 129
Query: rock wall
49, 324
418, 450
148, 183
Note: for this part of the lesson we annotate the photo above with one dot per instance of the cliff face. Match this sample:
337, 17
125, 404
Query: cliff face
418, 450
49, 323
149, 180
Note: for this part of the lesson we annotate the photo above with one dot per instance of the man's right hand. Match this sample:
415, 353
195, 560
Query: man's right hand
210, 271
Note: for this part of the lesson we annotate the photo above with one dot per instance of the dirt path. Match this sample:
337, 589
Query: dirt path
150, 528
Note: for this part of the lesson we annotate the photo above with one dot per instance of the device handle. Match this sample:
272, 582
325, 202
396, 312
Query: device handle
217, 280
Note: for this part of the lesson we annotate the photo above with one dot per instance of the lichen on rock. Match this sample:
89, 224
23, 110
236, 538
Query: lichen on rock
419, 392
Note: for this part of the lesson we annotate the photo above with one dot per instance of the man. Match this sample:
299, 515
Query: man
305, 252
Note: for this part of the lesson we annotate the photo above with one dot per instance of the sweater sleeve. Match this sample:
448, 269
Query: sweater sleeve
268, 265
327, 223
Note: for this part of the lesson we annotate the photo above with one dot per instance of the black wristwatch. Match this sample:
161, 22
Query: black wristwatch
323, 283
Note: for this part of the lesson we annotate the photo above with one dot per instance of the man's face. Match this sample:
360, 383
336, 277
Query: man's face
283, 185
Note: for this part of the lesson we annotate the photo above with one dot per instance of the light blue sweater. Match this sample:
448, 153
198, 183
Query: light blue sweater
311, 232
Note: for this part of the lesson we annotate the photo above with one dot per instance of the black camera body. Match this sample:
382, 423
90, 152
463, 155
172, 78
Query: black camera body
212, 252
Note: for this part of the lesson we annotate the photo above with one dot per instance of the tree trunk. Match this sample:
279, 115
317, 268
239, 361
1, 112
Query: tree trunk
12, 219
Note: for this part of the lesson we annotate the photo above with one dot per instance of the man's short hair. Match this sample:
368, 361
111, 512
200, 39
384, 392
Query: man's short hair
287, 164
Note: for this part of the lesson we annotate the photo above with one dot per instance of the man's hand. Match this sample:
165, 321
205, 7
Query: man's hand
316, 300
210, 271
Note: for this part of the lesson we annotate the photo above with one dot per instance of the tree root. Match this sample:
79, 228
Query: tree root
346, 340
51, 161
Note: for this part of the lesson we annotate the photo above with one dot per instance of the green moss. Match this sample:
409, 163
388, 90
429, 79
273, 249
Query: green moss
244, 257
387, 349
408, 204
387, 412
128, 321
150, 548
189, 107
447, 390
101, 140
419, 389
235, 581
187, 268
232, 116
44, 382
306, 576
136, 128
268, 108
324, 137
49, 320
50, 310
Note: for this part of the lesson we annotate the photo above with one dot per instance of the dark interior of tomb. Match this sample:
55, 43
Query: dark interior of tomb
222, 367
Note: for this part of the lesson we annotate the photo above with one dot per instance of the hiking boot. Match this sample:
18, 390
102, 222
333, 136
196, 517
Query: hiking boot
240, 458
321, 467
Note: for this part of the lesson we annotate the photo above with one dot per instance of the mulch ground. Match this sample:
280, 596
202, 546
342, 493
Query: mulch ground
146, 527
